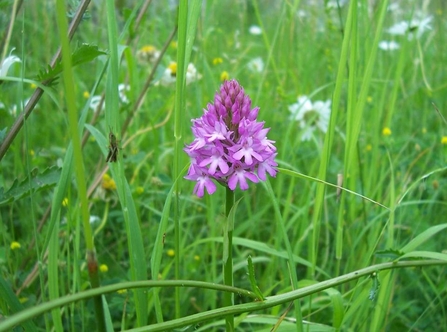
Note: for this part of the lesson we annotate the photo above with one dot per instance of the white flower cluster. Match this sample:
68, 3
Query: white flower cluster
311, 115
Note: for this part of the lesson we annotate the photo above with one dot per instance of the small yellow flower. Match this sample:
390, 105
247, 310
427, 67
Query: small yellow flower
15, 245
65, 202
33, 86
108, 183
444, 140
139, 190
148, 53
86, 94
170, 253
103, 268
173, 44
173, 68
224, 76
386, 131
197, 258
217, 61
121, 291
368, 147
148, 49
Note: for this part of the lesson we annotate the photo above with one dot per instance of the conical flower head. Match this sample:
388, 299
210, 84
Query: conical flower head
230, 145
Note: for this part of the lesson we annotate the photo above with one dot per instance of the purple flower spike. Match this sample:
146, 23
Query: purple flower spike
230, 146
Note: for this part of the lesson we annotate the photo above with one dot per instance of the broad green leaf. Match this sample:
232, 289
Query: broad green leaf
30, 185
83, 54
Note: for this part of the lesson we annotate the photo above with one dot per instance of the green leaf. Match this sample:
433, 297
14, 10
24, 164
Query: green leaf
263, 247
83, 54
421, 238
374, 287
86, 53
425, 254
32, 184
99, 137
336, 300
251, 277
8, 296
389, 253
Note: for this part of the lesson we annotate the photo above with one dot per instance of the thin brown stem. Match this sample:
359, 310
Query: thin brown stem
31, 104
7, 35
143, 93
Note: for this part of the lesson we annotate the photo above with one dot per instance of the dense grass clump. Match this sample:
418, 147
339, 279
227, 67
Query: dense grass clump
100, 230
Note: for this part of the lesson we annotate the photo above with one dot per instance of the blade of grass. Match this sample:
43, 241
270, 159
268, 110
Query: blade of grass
324, 183
355, 115
179, 111
292, 267
269, 302
423, 237
389, 277
53, 276
328, 140
158, 246
8, 297
352, 122
259, 246
69, 86
138, 269
187, 22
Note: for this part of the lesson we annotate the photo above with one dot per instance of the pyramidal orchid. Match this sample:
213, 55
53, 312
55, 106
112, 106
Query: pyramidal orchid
230, 145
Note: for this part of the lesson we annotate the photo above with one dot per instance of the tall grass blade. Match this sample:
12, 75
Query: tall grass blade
187, 22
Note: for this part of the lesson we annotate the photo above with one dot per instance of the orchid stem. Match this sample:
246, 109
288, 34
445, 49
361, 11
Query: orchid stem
228, 263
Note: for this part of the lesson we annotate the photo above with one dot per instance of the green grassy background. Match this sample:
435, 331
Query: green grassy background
141, 235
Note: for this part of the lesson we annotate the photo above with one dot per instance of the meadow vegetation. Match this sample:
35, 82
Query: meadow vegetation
100, 229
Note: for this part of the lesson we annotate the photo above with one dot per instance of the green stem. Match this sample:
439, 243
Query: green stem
179, 116
67, 75
92, 264
270, 302
228, 262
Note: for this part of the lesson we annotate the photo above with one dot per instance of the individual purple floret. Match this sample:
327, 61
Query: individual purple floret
230, 146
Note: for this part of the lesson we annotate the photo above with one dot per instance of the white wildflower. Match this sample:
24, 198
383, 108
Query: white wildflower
255, 30
7, 63
415, 28
256, 65
122, 89
311, 116
388, 45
